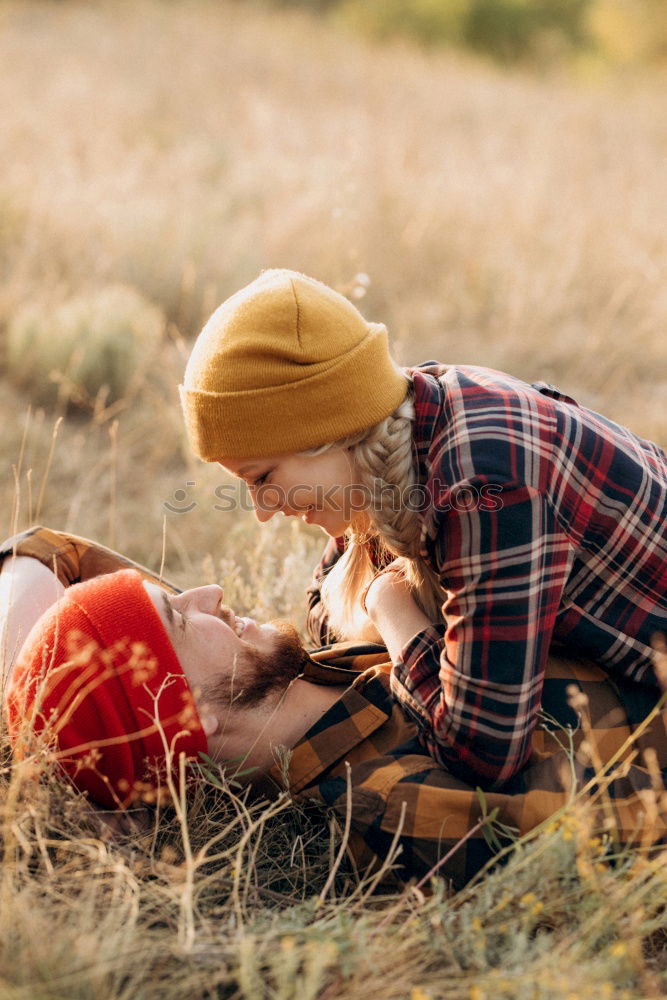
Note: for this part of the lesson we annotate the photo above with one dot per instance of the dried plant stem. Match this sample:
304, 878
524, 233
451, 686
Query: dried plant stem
163, 553
579, 702
388, 861
24, 441
16, 502
239, 852
113, 435
47, 468
28, 478
346, 836
17, 471
187, 925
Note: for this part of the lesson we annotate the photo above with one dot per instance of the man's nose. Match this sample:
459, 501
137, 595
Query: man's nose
207, 599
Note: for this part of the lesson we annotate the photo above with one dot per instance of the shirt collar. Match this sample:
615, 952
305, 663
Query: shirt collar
363, 707
429, 397
342, 662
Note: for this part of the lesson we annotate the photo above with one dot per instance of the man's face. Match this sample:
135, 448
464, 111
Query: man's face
227, 661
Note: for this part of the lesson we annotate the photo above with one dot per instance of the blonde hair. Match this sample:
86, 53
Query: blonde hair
383, 464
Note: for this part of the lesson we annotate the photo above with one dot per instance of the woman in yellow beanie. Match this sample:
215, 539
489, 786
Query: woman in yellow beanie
474, 518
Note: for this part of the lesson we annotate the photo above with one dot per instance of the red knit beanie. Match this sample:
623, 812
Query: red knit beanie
99, 679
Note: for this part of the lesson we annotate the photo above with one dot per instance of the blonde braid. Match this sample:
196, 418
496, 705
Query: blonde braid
384, 464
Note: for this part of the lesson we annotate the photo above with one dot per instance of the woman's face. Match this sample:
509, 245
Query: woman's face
320, 489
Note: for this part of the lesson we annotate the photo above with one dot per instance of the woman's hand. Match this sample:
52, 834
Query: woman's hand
392, 609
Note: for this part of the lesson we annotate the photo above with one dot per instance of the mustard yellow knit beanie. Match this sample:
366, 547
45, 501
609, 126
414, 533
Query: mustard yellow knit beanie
284, 365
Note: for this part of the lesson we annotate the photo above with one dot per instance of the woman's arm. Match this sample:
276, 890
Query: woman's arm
27, 590
475, 680
317, 622
392, 609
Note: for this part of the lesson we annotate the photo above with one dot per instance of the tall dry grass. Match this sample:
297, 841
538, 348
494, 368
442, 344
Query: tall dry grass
518, 222
233, 898
178, 149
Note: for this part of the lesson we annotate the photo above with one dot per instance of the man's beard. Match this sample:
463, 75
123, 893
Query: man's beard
254, 676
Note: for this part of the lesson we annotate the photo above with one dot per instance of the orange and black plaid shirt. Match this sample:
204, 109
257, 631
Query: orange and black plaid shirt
402, 800
403, 804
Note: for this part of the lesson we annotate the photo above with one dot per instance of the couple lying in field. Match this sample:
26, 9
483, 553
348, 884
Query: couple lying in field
492, 544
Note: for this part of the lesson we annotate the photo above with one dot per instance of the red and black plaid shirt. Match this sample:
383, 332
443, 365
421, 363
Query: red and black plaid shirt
544, 521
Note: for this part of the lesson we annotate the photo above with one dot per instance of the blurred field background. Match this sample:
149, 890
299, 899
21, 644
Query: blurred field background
497, 196
157, 156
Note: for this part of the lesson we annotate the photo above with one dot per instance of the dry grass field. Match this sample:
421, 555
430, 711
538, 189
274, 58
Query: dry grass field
155, 157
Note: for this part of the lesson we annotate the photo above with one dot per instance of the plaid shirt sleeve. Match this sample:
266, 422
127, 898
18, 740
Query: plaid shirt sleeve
71, 557
475, 683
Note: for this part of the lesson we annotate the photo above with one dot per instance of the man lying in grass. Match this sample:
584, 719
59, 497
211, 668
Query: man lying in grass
127, 680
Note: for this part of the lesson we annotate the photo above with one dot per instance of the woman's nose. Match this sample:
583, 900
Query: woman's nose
265, 504
262, 513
